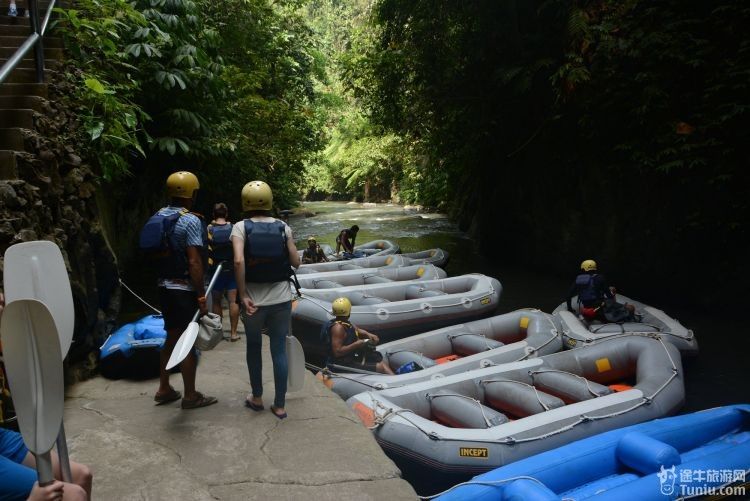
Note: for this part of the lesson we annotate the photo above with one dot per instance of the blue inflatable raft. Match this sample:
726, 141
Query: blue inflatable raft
683, 456
132, 351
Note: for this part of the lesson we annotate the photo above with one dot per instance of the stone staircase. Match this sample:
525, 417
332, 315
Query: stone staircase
21, 98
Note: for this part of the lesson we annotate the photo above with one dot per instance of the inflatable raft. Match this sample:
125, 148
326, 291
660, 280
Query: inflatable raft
510, 337
132, 351
661, 459
377, 248
576, 331
396, 310
469, 423
346, 278
438, 257
356, 264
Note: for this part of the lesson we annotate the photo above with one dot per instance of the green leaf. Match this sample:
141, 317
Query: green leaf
95, 85
96, 130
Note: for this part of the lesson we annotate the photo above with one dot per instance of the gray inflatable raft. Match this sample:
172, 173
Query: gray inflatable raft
469, 423
398, 309
378, 248
356, 264
576, 331
438, 257
364, 276
509, 337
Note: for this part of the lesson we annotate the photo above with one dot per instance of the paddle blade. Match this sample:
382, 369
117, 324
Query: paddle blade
296, 361
184, 345
36, 270
33, 362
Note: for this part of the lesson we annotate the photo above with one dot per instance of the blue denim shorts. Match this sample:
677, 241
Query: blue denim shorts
16, 480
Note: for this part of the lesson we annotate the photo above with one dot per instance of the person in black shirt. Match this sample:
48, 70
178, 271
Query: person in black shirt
596, 300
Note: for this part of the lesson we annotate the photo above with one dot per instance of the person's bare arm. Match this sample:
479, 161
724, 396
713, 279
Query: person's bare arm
195, 268
338, 335
293, 253
238, 246
374, 338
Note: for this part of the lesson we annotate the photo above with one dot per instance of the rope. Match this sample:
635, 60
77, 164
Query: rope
328, 372
488, 483
138, 297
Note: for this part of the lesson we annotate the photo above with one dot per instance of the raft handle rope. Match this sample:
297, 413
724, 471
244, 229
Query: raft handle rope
487, 483
536, 392
534, 351
481, 408
622, 327
328, 372
138, 297
379, 420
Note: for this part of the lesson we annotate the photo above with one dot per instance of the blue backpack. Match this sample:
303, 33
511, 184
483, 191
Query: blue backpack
220, 245
154, 241
587, 293
266, 253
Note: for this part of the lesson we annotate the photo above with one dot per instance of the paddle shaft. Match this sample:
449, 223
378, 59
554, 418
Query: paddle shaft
62, 453
208, 290
44, 468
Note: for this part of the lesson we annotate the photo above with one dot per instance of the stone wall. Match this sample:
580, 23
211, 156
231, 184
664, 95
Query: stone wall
54, 199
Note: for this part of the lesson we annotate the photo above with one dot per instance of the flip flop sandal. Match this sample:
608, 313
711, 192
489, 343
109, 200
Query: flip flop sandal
167, 397
255, 407
280, 416
233, 339
201, 401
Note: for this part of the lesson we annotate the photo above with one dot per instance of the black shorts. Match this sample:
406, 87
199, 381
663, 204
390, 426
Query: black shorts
365, 360
178, 307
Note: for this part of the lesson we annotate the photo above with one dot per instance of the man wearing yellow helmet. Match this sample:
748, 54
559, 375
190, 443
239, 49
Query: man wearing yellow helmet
313, 253
349, 345
181, 288
591, 289
264, 254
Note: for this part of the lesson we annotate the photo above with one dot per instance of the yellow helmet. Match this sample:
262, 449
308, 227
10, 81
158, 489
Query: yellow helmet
341, 307
588, 265
182, 184
256, 195
311, 239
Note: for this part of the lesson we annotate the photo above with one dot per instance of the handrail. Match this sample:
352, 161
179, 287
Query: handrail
33, 41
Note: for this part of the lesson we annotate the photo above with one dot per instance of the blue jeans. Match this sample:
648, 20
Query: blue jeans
275, 318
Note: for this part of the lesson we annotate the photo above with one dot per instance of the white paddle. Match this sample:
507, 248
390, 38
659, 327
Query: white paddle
187, 339
296, 362
34, 365
36, 270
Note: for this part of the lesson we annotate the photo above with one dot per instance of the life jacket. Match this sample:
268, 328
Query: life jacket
588, 295
220, 245
266, 253
327, 340
315, 256
157, 242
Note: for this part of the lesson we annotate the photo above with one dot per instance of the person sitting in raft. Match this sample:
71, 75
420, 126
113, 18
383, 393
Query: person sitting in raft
313, 253
349, 345
346, 240
596, 301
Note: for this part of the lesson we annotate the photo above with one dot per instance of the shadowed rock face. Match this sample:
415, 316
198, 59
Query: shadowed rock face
49, 193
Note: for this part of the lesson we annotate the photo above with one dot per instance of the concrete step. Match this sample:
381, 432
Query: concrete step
21, 103
30, 63
23, 89
8, 169
11, 139
49, 52
13, 20
27, 75
16, 41
17, 118
15, 30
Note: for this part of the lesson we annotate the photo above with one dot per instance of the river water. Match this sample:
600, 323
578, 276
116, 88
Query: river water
718, 376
